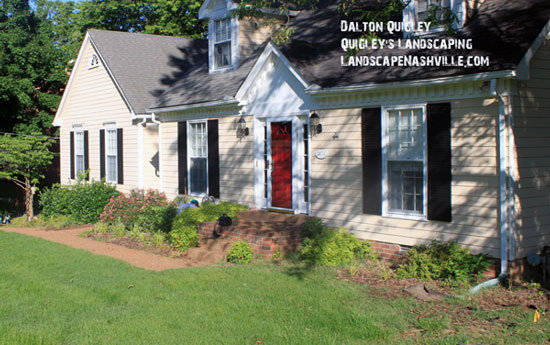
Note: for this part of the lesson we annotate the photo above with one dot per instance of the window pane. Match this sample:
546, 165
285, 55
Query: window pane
222, 54
405, 134
111, 168
222, 29
406, 186
198, 176
111, 151
198, 137
79, 164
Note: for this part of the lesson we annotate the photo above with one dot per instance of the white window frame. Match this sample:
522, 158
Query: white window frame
234, 43
79, 147
386, 212
94, 61
189, 123
107, 130
410, 17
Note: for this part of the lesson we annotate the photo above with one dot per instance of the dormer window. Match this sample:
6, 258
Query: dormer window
94, 61
423, 8
222, 43
420, 11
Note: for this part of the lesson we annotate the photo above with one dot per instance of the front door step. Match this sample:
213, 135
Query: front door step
266, 232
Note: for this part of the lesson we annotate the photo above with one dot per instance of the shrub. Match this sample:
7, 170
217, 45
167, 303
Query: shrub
149, 210
442, 260
240, 253
184, 232
325, 246
83, 202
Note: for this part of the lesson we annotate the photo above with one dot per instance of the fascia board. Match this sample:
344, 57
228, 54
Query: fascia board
524, 64
57, 119
112, 76
413, 83
258, 66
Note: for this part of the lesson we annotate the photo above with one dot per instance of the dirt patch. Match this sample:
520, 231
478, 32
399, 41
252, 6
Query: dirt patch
209, 253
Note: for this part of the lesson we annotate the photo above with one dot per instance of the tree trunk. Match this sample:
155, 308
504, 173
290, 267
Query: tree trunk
28, 199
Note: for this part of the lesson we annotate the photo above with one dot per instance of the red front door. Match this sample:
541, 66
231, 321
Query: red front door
281, 169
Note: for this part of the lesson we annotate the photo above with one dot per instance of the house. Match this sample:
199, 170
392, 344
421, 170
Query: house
399, 154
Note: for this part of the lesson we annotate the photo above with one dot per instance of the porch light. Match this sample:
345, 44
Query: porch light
314, 125
242, 130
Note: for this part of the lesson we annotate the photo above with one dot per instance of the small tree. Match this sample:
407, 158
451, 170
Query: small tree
22, 161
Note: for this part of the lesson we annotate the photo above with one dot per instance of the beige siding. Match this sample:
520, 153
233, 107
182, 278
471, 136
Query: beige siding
532, 141
337, 181
251, 36
236, 161
91, 101
151, 174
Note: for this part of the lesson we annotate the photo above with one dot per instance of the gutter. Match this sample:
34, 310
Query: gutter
317, 90
221, 103
140, 151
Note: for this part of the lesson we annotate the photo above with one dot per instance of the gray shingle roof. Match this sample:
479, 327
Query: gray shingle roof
159, 72
503, 30
146, 65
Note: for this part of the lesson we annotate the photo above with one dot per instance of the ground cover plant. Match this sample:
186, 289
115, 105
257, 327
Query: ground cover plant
240, 253
52, 294
446, 261
326, 246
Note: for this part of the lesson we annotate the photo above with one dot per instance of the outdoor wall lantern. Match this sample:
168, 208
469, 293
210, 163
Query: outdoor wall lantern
242, 130
314, 125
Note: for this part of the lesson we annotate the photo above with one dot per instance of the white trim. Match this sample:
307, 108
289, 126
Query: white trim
413, 83
212, 104
523, 67
385, 144
107, 130
57, 119
188, 124
161, 160
204, 12
234, 43
258, 66
91, 64
140, 153
81, 130
511, 179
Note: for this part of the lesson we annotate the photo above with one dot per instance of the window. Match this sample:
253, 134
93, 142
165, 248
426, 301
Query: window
198, 158
404, 157
94, 61
423, 7
111, 155
79, 152
222, 43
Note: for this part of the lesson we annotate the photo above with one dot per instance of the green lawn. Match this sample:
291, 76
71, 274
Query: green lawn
53, 294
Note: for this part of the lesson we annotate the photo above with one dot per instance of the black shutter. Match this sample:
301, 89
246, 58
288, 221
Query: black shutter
439, 161
72, 154
101, 153
86, 156
371, 151
182, 158
120, 171
213, 159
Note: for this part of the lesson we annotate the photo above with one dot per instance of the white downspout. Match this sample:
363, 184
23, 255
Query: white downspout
140, 152
503, 219
160, 149
511, 181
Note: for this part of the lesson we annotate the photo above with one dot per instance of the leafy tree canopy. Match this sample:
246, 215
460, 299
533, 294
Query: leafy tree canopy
23, 160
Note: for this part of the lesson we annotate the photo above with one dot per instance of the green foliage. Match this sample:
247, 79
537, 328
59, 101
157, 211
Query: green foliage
240, 253
52, 222
23, 160
149, 210
442, 260
325, 246
184, 234
83, 202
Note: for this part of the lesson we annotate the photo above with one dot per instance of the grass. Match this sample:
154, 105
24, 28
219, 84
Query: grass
53, 294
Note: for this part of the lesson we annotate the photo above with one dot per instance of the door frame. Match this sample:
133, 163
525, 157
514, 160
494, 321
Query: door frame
263, 198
